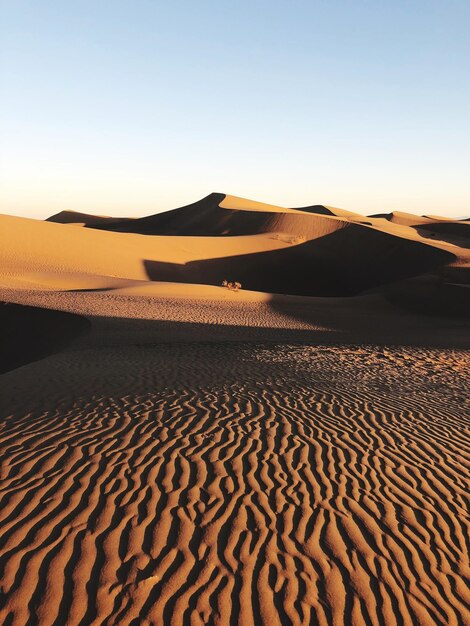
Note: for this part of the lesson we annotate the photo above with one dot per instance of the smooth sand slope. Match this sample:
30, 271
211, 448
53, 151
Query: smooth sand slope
176, 453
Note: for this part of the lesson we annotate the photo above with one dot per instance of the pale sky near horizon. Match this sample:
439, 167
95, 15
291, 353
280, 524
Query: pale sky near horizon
134, 106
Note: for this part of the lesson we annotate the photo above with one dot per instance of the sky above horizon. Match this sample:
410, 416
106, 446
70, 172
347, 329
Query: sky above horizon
133, 107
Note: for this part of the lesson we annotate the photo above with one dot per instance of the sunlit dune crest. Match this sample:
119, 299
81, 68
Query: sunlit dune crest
311, 251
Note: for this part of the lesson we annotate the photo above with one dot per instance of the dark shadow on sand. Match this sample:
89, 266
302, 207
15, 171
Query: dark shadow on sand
454, 233
346, 326
343, 263
30, 333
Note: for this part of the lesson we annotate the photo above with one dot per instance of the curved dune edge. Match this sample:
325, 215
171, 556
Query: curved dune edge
220, 484
303, 252
219, 214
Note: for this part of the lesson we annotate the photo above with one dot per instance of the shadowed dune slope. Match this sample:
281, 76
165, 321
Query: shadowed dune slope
82, 219
215, 215
29, 333
429, 295
317, 209
223, 215
60, 256
220, 215
443, 229
453, 232
344, 262
329, 210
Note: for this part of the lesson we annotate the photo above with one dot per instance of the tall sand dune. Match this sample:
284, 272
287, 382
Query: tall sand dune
42, 253
265, 247
344, 262
215, 215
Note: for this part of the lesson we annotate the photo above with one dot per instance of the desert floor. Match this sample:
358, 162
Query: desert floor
234, 463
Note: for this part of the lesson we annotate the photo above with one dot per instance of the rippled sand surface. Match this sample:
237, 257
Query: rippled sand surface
230, 483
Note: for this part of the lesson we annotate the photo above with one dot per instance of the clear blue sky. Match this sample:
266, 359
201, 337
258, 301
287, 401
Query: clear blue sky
135, 106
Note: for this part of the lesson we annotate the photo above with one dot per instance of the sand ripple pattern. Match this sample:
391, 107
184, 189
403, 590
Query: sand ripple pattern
236, 485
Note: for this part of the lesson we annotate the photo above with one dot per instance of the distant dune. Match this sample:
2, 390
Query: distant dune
313, 251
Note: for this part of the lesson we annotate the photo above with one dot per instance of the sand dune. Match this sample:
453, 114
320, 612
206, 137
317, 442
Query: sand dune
76, 218
217, 214
187, 454
44, 253
222, 215
312, 251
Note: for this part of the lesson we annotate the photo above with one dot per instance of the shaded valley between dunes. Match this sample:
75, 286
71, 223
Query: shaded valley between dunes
292, 452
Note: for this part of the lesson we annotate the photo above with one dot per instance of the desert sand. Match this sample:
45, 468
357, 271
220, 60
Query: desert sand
294, 452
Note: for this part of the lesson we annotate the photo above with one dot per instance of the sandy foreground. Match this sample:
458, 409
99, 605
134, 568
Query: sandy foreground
155, 479
176, 453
